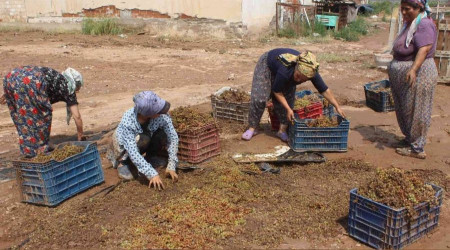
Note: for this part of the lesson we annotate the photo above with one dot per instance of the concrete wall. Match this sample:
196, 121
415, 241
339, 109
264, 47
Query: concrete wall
257, 14
12, 10
229, 10
254, 14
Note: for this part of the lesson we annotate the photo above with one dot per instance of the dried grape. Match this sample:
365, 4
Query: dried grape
323, 122
59, 154
186, 119
305, 101
397, 188
234, 95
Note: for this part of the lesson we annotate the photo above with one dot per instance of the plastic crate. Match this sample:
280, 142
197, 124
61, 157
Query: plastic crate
311, 139
312, 111
195, 148
274, 122
229, 110
328, 109
379, 101
380, 226
52, 182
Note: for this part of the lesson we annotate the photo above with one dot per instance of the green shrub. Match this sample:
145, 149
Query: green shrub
101, 27
435, 3
288, 32
353, 31
382, 6
347, 34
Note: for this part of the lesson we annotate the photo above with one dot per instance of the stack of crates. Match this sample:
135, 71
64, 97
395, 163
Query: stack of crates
312, 111
198, 145
52, 182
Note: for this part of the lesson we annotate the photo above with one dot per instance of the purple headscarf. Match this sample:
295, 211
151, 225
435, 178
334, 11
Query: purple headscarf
148, 103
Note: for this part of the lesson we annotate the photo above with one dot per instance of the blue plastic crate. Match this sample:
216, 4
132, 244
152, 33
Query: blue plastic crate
379, 101
52, 182
309, 139
380, 226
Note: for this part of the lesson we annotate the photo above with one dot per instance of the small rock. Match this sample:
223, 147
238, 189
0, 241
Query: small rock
231, 77
358, 245
123, 36
374, 17
316, 34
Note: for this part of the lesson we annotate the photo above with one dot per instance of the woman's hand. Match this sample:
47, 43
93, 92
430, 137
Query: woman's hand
172, 174
341, 112
156, 182
3, 99
411, 77
290, 115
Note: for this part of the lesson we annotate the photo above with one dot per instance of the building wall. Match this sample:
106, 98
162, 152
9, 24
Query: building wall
254, 14
229, 10
12, 10
258, 14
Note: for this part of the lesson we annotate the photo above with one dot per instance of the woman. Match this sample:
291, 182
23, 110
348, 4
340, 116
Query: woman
276, 75
413, 76
29, 93
146, 128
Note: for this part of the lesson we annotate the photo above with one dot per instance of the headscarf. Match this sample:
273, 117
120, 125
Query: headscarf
74, 79
148, 103
306, 63
415, 23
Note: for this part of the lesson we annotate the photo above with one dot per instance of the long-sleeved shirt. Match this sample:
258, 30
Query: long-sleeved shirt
284, 76
129, 128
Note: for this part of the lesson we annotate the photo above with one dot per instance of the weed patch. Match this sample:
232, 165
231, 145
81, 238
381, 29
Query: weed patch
353, 31
101, 27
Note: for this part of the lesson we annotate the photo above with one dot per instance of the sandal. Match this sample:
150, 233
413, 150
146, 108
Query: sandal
247, 135
411, 153
283, 136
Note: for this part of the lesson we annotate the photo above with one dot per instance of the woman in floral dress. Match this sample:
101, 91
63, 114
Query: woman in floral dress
29, 93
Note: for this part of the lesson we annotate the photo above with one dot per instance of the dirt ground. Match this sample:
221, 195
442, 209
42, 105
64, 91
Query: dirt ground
187, 72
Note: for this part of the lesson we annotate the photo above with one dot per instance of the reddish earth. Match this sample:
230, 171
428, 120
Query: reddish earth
186, 73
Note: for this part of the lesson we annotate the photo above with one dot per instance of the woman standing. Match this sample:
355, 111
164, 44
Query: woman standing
29, 93
276, 75
413, 76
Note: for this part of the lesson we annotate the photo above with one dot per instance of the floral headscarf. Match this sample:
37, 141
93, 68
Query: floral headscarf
306, 63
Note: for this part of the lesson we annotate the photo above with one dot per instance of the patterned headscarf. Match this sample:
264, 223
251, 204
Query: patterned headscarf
415, 23
307, 64
148, 103
74, 79
422, 3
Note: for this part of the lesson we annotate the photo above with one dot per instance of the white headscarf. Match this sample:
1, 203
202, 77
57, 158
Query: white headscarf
74, 79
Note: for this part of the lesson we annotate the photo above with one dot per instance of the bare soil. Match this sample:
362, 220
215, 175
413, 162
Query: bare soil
303, 207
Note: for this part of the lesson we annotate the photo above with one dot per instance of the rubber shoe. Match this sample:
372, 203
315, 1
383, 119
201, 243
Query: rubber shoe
124, 172
410, 153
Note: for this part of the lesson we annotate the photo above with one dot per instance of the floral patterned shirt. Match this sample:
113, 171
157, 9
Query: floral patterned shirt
129, 128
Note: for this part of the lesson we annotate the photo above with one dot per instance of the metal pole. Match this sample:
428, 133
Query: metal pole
276, 17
